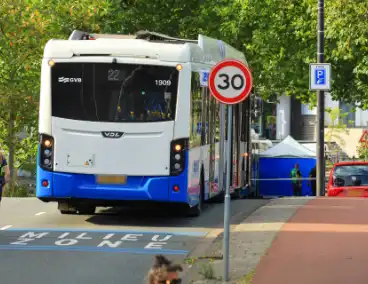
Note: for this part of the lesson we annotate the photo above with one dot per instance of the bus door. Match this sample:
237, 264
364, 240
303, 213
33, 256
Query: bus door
238, 116
212, 119
234, 147
235, 166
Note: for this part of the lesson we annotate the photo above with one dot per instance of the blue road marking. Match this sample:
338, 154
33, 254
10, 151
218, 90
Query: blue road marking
94, 249
189, 234
94, 240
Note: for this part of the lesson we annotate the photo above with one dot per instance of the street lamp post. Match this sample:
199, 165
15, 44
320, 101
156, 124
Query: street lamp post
320, 105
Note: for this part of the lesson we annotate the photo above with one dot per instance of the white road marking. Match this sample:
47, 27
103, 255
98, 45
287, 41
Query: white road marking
5, 227
40, 213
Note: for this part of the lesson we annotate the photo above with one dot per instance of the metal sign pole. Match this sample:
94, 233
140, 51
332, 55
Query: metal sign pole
222, 147
227, 194
230, 83
320, 81
222, 129
321, 172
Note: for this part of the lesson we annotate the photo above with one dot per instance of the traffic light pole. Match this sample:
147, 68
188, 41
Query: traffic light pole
320, 106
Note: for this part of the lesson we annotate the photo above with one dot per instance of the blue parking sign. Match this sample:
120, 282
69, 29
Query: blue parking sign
320, 76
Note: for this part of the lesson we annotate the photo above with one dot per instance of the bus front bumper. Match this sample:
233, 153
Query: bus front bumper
53, 186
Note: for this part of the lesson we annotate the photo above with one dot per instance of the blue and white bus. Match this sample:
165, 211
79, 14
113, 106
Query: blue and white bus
121, 121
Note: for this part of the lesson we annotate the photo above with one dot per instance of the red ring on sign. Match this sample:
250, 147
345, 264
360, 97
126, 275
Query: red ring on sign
248, 81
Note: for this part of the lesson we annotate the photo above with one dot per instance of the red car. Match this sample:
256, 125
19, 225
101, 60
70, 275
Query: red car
348, 179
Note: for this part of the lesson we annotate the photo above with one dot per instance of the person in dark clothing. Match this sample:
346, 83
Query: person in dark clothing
313, 183
296, 180
4, 174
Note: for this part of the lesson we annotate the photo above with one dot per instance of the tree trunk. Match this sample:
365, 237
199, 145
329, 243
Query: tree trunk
12, 149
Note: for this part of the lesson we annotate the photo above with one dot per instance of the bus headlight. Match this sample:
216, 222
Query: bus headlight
177, 156
51, 63
47, 143
46, 152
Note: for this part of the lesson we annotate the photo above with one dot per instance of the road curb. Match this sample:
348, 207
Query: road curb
250, 240
202, 248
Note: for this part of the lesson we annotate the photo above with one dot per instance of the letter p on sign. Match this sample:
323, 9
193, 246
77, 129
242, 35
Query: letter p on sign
320, 76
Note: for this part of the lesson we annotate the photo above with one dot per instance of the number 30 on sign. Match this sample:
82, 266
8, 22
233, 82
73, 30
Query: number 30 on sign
230, 81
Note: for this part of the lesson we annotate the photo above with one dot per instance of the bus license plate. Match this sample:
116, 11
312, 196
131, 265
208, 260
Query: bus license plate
107, 179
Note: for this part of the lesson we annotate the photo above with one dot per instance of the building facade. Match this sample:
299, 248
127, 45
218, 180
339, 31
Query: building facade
275, 121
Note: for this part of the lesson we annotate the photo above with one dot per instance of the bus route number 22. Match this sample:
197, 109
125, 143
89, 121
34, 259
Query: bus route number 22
113, 75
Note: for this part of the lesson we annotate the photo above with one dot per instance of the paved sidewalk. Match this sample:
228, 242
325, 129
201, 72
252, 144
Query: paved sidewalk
249, 241
326, 241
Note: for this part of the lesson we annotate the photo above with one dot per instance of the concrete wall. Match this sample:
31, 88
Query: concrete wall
329, 103
351, 140
308, 116
283, 118
352, 137
291, 116
361, 118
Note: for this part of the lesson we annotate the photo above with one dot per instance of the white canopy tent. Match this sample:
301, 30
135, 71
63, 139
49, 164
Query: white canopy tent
310, 146
288, 148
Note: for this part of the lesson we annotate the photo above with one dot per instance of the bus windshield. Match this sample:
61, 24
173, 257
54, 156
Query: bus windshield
111, 92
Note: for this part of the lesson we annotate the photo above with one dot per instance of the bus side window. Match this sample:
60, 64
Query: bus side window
196, 112
217, 121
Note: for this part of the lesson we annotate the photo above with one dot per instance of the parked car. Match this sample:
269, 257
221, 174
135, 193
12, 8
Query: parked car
348, 179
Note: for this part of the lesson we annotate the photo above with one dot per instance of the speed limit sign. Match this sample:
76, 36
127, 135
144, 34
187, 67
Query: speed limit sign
230, 81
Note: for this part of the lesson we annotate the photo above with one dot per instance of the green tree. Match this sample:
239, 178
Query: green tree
65, 16
347, 41
25, 27
21, 30
279, 39
362, 151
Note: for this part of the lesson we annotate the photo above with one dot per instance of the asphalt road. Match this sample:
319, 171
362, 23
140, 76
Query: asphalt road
39, 245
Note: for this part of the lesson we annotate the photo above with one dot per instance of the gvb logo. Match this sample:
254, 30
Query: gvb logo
70, 80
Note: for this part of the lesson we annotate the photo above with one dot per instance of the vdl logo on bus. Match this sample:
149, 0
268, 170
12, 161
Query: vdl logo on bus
112, 134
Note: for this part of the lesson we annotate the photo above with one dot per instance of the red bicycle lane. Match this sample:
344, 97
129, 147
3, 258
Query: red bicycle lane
326, 241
